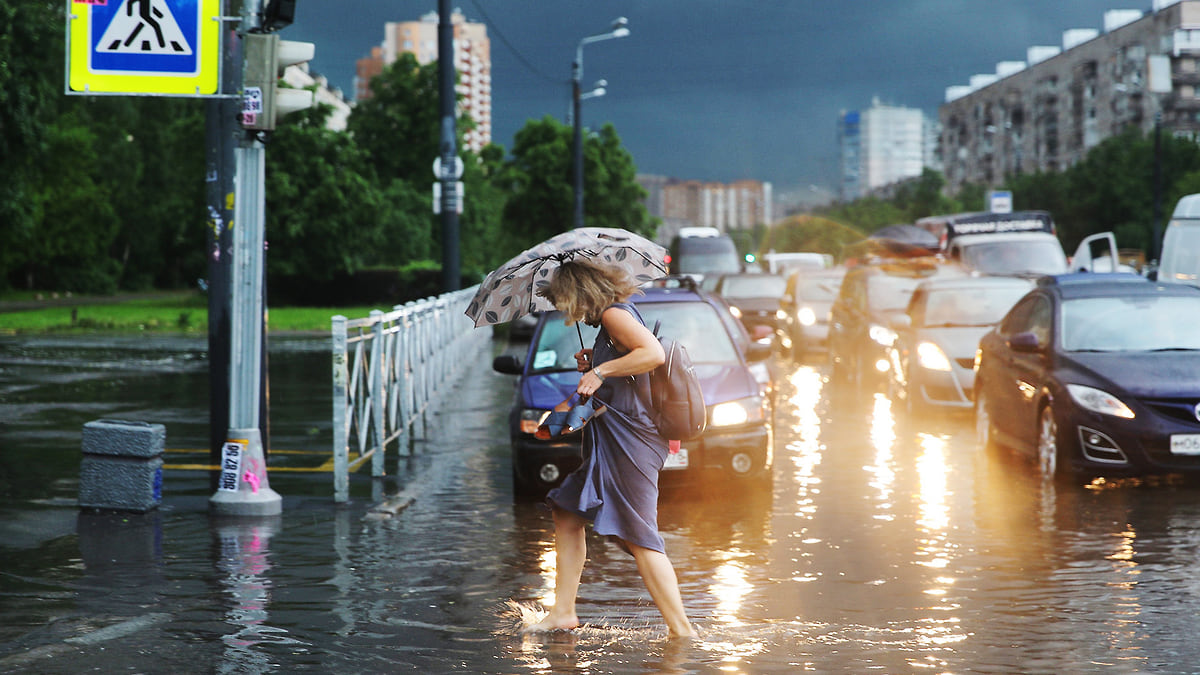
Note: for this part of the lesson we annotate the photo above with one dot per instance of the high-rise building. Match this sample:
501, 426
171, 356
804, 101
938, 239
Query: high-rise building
472, 64
1045, 113
882, 145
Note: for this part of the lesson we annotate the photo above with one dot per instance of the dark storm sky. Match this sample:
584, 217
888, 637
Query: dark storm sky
720, 89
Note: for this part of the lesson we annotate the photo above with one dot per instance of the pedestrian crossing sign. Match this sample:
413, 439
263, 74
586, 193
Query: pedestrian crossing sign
165, 47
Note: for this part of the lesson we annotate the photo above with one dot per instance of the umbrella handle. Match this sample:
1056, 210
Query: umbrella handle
580, 331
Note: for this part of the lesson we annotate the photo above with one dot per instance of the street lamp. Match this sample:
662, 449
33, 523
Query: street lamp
620, 29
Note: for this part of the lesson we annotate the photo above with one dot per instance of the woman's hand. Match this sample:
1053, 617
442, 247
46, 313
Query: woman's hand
589, 383
583, 360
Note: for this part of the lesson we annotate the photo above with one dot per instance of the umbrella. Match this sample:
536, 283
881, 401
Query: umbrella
509, 291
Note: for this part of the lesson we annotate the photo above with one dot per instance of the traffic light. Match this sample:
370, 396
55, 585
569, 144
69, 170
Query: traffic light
266, 57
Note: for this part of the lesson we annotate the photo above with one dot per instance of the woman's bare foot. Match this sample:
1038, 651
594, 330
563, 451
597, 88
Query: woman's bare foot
685, 632
552, 623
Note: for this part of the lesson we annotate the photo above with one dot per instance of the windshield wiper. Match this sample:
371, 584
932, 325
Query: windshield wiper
1173, 349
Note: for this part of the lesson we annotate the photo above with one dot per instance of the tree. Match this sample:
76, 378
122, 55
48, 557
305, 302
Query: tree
537, 177
399, 127
29, 31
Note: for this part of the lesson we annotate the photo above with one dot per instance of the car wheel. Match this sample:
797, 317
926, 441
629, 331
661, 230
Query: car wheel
985, 431
1047, 445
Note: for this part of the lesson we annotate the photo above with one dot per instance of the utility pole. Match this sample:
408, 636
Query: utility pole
449, 162
221, 132
242, 485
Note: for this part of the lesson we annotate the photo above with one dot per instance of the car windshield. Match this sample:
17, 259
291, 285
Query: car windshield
708, 263
1137, 323
696, 325
971, 306
888, 293
1038, 256
753, 286
557, 344
819, 290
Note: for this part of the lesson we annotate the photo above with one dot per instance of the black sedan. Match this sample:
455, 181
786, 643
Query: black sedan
1095, 374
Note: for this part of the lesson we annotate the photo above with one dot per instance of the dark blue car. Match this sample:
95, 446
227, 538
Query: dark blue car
738, 439
1095, 374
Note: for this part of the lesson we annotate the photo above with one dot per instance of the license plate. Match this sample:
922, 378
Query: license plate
679, 460
1185, 444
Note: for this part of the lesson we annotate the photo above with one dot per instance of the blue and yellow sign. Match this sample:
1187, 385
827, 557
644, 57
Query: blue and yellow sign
168, 47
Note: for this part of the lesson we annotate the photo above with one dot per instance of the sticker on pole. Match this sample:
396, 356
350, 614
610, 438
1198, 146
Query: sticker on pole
231, 466
167, 47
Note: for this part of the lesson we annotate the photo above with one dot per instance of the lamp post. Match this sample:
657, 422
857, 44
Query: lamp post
619, 30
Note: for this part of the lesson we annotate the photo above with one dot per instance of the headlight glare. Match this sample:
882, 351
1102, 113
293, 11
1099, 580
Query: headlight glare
806, 316
731, 413
882, 334
931, 357
1100, 401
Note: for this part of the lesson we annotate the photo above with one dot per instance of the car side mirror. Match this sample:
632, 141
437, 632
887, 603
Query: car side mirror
507, 364
1025, 343
758, 352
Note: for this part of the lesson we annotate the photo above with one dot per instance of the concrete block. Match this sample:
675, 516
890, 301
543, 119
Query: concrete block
120, 483
123, 438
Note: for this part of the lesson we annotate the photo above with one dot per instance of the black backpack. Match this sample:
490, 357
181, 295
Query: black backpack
676, 401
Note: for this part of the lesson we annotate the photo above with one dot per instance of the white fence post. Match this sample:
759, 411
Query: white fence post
341, 431
403, 360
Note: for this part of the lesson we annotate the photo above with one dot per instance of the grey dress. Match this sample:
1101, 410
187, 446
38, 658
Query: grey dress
616, 487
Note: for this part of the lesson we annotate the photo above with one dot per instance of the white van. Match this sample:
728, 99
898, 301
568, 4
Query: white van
784, 263
1179, 261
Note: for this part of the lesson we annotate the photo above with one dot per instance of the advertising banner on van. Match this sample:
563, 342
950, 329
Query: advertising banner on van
996, 223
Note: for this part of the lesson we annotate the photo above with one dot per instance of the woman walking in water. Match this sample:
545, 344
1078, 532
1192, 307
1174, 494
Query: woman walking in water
616, 488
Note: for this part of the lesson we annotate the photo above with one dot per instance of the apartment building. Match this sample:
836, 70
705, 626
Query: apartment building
882, 145
1046, 112
692, 203
472, 64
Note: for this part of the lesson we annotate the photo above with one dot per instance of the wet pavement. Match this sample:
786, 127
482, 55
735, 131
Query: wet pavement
885, 544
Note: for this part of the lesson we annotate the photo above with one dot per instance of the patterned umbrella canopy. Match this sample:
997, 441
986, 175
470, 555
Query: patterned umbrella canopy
509, 291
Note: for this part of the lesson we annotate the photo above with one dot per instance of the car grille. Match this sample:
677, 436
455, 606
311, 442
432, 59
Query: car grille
1183, 410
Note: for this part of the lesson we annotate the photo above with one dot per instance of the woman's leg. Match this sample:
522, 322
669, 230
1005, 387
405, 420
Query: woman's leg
659, 575
570, 549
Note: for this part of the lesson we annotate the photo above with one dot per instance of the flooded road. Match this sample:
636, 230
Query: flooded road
884, 545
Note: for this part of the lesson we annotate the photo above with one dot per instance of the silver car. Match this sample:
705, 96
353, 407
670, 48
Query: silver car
933, 355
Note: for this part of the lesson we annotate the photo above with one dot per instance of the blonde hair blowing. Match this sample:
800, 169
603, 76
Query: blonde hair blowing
582, 289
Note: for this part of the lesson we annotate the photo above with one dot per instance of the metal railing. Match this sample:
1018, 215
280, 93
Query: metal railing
388, 369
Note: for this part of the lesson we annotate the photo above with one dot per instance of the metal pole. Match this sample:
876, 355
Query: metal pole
449, 153
1156, 231
244, 489
220, 137
577, 145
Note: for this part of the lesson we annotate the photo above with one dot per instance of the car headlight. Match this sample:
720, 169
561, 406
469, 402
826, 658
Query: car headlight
882, 334
741, 411
931, 357
1099, 401
531, 419
806, 316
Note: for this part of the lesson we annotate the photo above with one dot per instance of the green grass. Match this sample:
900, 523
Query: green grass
171, 312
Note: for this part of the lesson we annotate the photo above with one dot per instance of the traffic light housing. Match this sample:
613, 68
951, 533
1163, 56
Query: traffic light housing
265, 59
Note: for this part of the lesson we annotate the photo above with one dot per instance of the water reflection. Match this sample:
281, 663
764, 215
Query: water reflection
883, 469
244, 560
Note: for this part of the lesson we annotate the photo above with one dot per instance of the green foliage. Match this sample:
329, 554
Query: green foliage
538, 180
398, 127
104, 193
810, 233
1110, 189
